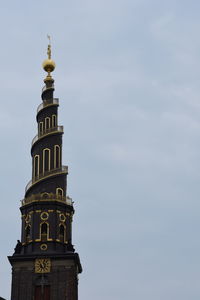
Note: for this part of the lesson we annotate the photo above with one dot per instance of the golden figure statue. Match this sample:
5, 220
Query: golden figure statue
49, 64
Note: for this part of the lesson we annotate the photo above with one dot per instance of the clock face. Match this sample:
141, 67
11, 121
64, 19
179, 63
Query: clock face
42, 265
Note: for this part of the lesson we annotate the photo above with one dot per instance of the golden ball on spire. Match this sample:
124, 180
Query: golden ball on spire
49, 65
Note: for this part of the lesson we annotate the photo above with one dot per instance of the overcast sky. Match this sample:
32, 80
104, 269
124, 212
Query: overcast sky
128, 80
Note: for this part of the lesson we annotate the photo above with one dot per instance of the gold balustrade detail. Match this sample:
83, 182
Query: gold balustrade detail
47, 132
42, 176
44, 104
47, 197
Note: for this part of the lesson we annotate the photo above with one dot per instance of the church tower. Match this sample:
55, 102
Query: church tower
45, 265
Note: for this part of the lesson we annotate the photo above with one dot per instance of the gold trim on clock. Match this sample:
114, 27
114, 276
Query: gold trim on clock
42, 265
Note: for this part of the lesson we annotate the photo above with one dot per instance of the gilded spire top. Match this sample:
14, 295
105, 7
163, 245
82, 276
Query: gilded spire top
49, 47
49, 65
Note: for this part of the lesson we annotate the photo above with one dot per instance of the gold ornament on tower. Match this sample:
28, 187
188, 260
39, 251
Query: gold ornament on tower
49, 65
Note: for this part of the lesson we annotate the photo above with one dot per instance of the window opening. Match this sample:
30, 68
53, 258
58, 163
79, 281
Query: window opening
59, 192
46, 160
40, 128
45, 195
54, 119
56, 156
44, 231
47, 123
36, 166
28, 233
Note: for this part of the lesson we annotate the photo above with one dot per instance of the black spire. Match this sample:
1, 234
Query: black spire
45, 251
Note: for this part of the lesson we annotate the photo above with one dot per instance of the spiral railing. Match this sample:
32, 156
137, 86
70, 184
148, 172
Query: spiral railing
46, 132
47, 197
47, 88
63, 169
45, 104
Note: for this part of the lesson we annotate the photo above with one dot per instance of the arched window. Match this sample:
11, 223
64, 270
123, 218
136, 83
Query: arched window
41, 128
62, 233
46, 160
36, 167
54, 121
47, 123
56, 156
59, 192
45, 195
28, 233
44, 231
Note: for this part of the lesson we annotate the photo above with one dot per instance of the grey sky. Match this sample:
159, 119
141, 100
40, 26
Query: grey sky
127, 76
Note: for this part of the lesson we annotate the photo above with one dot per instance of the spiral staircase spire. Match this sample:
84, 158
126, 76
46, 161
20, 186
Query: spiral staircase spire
45, 251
